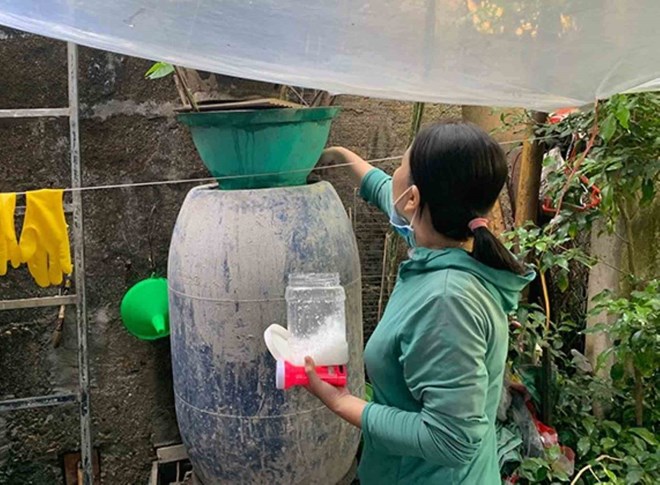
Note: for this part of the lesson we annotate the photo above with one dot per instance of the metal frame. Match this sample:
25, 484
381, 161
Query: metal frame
34, 112
37, 402
79, 299
79, 270
40, 302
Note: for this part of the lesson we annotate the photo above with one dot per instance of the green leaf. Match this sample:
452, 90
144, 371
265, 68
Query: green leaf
617, 371
634, 476
608, 443
553, 453
613, 425
562, 282
648, 191
646, 435
588, 424
158, 70
640, 444
541, 474
583, 445
603, 358
608, 128
610, 475
623, 115
645, 362
531, 466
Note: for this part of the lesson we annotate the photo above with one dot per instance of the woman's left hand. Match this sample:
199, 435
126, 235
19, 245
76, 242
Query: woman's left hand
330, 395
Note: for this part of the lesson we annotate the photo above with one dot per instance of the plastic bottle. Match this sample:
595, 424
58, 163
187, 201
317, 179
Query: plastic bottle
316, 319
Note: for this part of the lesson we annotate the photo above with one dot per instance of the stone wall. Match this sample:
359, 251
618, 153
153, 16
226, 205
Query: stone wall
128, 134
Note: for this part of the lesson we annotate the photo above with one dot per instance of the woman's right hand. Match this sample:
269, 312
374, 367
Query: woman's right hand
341, 156
332, 156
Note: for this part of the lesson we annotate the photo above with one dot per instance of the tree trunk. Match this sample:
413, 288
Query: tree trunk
529, 177
604, 275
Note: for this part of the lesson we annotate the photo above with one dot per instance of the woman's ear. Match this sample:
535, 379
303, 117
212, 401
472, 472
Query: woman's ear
414, 201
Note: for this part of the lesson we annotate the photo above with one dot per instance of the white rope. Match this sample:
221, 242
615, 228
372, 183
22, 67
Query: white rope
235, 177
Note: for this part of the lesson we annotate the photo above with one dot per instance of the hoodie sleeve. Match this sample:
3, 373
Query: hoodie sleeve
443, 361
376, 188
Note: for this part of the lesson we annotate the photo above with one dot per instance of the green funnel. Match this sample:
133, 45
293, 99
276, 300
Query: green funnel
239, 147
144, 309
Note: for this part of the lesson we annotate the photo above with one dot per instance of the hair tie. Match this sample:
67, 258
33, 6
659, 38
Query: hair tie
478, 222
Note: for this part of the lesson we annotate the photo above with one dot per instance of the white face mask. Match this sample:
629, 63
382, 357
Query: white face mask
400, 224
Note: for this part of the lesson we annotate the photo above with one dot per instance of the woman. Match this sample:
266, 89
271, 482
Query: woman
436, 360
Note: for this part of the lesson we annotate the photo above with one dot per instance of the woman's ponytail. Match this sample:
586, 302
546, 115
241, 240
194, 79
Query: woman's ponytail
487, 249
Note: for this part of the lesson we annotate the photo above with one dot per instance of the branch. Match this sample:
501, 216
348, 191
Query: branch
184, 87
576, 166
546, 297
590, 466
298, 95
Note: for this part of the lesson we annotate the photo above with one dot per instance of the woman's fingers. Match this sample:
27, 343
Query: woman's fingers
327, 157
316, 386
310, 370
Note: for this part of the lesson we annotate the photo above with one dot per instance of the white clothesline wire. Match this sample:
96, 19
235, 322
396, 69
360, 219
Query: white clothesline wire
234, 177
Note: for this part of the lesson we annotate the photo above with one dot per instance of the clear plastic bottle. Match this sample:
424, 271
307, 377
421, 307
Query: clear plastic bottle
316, 318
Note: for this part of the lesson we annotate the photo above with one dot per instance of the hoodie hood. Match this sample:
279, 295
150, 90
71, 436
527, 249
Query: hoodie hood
503, 285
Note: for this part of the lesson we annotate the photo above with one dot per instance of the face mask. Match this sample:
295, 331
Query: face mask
400, 224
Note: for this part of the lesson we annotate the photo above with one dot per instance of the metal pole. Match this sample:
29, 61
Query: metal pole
79, 270
33, 112
37, 402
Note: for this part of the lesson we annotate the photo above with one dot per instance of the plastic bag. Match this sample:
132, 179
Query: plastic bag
540, 55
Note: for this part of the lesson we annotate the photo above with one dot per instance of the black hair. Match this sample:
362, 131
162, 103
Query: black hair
459, 171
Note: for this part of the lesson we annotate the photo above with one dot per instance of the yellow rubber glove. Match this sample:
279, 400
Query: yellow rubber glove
9, 250
44, 239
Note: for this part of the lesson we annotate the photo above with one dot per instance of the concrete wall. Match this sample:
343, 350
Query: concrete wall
128, 134
646, 228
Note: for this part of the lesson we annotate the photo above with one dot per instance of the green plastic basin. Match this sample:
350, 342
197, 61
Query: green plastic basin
252, 149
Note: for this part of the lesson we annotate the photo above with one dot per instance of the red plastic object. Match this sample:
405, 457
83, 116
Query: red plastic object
548, 434
592, 190
288, 375
560, 115
594, 199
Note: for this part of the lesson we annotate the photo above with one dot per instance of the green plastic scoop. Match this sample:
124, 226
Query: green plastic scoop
144, 309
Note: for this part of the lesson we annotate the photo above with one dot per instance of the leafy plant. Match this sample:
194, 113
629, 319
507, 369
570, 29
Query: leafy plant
552, 466
635, 333
615, 145
548, 248
161, 69
624, 158
158, 70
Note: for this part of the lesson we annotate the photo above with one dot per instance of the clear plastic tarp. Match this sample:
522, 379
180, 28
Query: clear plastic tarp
540, 54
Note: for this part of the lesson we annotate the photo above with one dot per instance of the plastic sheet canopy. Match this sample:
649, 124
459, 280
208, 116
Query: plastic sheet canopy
540, 54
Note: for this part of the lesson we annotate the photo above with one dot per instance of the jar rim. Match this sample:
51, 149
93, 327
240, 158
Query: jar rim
314, 279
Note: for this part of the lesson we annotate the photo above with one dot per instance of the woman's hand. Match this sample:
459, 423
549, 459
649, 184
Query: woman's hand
333, 156
341, 156
338, 399
327, 393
